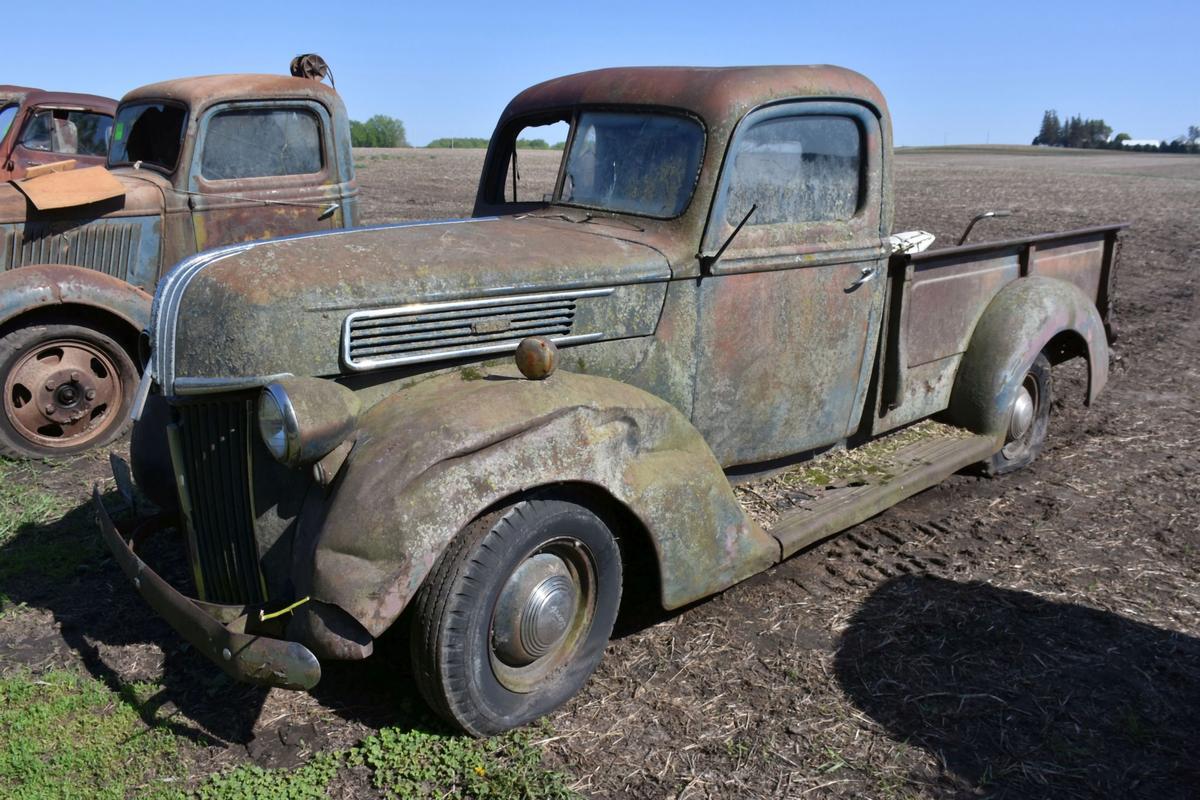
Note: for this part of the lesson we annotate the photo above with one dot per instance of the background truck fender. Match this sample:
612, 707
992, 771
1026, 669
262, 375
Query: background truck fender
1023, 318
47, 286
432, 457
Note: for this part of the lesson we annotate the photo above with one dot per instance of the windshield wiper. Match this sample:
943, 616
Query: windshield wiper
588, 217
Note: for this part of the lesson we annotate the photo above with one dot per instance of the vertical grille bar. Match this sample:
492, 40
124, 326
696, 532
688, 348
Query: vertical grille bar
216, 442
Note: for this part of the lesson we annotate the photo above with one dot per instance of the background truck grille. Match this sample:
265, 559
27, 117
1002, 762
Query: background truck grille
215, 441
111, 249
433, 331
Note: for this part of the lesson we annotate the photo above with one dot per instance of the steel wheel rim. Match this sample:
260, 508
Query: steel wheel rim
1023, 417
63, 393
542, 614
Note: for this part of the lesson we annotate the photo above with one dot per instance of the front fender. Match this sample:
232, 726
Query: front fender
43, 286
1017, 325
433, 457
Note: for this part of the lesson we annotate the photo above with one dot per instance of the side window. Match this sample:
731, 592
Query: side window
68, 132
539, 151
796, 169
7, 114
259, 143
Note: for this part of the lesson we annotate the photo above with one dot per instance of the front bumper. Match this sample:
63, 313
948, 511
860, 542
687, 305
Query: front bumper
217, 631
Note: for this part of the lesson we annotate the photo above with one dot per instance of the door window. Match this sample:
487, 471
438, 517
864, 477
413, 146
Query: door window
261, 142
796, 169
68, 132
6, 117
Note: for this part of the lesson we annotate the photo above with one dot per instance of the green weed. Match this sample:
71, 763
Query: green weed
63, 736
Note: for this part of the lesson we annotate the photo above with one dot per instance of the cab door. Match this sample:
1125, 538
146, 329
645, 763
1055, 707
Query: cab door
790, 311
263, 169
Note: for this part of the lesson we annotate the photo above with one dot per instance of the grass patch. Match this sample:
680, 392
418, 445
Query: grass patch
22, 502
63, 736
33, 544
407, 764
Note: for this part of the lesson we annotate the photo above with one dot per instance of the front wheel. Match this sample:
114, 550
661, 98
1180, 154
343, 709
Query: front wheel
66, 388
1029, 418
516, 614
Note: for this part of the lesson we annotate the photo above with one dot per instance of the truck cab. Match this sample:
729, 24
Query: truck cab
485, 427
197, 163
39, 127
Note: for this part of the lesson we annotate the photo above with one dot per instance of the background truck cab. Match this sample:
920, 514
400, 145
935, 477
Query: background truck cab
38, 127
201, 162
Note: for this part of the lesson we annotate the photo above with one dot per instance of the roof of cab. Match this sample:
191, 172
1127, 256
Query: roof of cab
39, 97
204, 90
718, 95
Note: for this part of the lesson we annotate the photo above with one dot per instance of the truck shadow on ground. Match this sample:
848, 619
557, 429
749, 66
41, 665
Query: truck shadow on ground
99, 622
1018, 696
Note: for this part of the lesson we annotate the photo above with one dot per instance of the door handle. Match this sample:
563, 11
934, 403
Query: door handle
868, 275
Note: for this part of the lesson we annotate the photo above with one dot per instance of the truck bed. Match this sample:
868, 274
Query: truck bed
936, 298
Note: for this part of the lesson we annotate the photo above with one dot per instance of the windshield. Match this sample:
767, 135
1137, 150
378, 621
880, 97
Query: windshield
636, 163
148, 132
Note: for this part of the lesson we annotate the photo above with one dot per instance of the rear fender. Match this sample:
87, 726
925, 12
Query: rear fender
25, 290
1017, 325
434, 456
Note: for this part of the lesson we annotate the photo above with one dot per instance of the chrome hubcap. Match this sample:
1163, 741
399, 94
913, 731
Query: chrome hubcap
543, 610
1022, 414
535, 611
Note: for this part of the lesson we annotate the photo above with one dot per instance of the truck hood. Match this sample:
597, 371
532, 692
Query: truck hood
144, 192
239, 315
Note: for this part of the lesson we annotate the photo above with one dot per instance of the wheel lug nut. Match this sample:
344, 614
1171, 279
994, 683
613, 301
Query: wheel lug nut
90, 394
75, 377
49, 408
50, 386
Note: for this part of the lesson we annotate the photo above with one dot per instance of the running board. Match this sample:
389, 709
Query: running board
832, 493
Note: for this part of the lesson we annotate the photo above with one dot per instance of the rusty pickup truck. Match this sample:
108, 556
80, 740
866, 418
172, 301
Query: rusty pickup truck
194, 163
335, 424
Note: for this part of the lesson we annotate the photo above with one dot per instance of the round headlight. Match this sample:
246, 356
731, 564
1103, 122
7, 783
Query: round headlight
277, 423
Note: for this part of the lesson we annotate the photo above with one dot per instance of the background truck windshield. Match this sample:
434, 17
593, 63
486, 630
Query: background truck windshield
644, 164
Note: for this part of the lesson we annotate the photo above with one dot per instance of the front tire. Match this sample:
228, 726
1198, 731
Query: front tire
1029, 419
67, 388
515, 615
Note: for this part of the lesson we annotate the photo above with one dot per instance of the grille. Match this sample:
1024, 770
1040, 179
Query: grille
215, 441
433, 331
111, 249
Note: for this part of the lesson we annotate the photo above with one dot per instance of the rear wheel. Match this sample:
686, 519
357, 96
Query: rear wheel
66, 388
516, 614
1029, 420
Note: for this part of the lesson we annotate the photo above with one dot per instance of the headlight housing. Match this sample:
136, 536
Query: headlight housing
277, 424
301, 420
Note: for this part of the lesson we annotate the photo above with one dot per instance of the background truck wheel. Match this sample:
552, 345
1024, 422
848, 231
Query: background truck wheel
66, 388
516, 614
1028, 422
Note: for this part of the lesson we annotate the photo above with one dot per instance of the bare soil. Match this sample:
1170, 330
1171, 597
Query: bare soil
1036, 635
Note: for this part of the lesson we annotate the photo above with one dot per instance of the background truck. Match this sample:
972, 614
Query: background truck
38, 127
196, 163
708, 288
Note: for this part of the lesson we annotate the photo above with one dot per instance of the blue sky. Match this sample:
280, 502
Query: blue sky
953, 72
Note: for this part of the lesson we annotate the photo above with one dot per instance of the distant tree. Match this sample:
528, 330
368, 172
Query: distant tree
460, 142
379, 131
1193, 134
533, 144
1051, 131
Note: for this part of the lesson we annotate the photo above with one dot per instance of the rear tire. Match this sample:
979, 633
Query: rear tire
515, 615
67, 388
1029, 420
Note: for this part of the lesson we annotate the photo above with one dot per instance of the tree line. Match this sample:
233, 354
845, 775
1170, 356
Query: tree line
379, 131
1096, 133
478, 142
